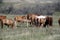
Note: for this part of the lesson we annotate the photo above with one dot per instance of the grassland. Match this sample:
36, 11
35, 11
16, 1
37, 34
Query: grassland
22, 32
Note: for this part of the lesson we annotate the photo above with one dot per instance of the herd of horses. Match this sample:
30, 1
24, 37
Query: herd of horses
32, 19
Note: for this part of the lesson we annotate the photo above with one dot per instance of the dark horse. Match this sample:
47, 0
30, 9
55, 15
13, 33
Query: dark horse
59, 21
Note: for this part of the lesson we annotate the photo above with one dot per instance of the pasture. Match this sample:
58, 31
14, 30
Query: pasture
22, 32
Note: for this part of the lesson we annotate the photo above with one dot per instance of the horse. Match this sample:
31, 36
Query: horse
59, 21
31, 17
40, 20
49, 21
2, 17
21, 19
7, 22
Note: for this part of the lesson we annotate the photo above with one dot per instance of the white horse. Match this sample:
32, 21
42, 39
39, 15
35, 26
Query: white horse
41, 19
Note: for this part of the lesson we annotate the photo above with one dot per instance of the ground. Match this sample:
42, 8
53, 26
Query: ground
22, 32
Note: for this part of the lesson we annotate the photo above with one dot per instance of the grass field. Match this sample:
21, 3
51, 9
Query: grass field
22, 32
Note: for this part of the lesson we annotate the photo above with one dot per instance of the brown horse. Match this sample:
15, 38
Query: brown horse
59, 21
49, 21
8, 22
2, 17
31, 17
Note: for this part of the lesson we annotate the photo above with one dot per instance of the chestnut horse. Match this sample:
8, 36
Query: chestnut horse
31, 17
2, 17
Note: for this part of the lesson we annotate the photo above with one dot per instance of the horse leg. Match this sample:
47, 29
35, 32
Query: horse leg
15, 23
44, 25
30, 23
1, 24
8, 26
12, 26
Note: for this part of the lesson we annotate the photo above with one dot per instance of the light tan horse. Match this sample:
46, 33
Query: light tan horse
20, 19
8, 22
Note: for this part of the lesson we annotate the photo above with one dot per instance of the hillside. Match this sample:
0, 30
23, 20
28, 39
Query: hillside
28, 6
31, 1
